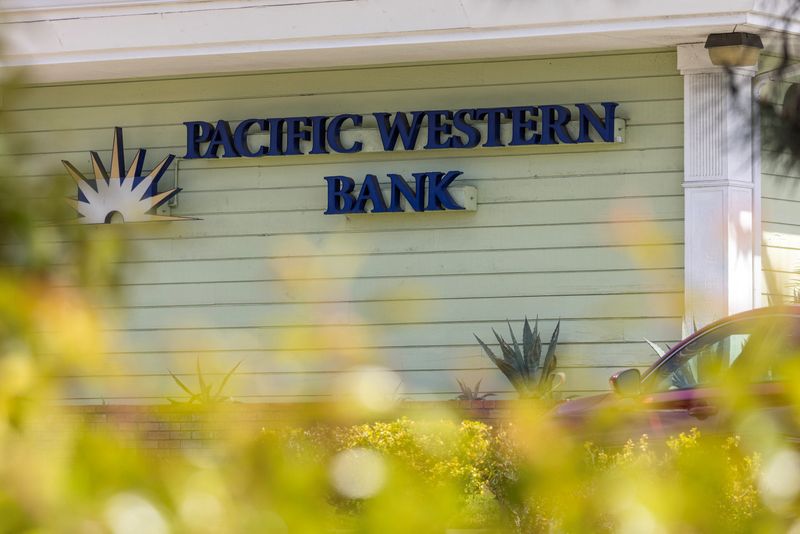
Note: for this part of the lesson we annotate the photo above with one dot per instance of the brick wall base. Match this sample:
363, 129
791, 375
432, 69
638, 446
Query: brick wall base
192, 426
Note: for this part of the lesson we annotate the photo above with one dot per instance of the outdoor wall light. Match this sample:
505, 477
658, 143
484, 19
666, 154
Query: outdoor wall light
736, 49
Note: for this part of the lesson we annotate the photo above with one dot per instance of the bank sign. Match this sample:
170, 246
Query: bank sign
462, 129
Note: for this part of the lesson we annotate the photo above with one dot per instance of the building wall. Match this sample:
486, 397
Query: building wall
780, 205
590, 234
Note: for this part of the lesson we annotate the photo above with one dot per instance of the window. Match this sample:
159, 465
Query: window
704, 360
757, 350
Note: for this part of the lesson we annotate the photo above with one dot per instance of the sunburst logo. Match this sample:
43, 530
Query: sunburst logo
120, 196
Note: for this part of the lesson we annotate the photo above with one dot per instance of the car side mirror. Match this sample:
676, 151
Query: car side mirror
627, 383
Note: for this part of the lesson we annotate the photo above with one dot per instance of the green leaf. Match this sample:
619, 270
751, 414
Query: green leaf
513, 376
550, 361
505, 368
508, 353
536, 352
658, 350
228, 377
200, 379
486, 349
517, 354
527, 349
183, 386
548, 374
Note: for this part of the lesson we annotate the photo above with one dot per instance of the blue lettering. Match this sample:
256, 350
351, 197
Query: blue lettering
604, 127
400, 188
240, 138
436, 128
295, 133
335, 131
460, 123
370, 190
197, 132
275, 129
554, 123
318, 135
340, 198
391, 129
438, 196
530, 125
520, 126
493, 118
222, 137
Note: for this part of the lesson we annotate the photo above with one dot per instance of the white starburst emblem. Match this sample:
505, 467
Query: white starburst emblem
120, 194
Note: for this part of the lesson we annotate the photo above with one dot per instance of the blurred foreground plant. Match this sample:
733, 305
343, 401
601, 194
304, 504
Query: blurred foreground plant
53, 275
63, 472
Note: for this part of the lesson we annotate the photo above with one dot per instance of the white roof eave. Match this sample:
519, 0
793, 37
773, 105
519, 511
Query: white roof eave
68, 40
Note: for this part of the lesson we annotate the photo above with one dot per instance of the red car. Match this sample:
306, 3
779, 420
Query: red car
748, 363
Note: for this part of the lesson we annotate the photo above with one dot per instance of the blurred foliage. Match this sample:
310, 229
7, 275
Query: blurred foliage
61, 472
531, 376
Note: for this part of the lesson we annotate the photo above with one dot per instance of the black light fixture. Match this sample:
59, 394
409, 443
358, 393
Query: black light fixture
735, 49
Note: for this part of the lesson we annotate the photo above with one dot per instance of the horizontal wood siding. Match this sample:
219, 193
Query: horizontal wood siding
780, 206
589, 234
780, 209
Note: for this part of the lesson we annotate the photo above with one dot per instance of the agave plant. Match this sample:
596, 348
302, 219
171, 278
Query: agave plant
523, 366
205, 395
656, 348
473, 393
681, 378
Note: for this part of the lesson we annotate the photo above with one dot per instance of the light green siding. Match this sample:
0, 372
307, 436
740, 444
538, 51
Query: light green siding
780, 206
591, 234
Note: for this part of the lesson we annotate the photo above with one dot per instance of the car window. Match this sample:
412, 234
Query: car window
703, 361
774, 351
759, 349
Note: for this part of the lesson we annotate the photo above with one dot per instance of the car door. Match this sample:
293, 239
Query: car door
768, 372
687, 389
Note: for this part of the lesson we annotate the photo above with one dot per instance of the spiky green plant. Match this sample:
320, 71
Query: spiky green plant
523, 366
681, 378
657, 349
205, 395
661, 352
473, 393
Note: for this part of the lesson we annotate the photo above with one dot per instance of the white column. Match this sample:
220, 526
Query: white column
722, 264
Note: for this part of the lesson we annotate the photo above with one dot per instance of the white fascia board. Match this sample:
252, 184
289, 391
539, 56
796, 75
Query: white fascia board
242, 57
441, 13
114, 40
